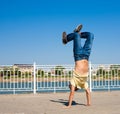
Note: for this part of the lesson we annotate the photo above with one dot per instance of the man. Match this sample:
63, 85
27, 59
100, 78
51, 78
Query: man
81, 57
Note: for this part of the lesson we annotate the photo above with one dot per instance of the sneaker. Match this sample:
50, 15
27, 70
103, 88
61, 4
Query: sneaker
78, 28
64, 38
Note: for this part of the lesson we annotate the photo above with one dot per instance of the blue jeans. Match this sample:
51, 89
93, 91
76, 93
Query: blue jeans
81, 52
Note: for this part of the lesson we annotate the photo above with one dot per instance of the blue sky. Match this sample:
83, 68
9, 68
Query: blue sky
30, 30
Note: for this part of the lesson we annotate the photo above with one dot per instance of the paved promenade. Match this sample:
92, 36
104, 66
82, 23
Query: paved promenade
53, 103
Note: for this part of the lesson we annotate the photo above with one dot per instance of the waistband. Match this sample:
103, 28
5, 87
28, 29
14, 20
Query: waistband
80, 57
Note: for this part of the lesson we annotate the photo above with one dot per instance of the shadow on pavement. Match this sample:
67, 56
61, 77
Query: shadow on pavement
65, 102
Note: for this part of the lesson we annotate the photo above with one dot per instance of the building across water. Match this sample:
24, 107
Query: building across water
23, 67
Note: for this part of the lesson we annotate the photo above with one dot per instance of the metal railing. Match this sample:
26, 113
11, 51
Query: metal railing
52, 78
14, 80
105, 77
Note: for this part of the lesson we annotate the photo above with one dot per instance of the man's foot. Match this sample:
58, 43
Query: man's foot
78, 28
64, 38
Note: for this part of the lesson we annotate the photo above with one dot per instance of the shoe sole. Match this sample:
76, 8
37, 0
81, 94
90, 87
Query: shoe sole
64, 35
78, 28
64, 38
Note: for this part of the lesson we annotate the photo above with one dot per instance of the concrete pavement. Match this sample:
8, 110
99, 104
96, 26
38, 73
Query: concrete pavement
53, 103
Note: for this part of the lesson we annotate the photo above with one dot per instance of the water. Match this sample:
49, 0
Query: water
41, 87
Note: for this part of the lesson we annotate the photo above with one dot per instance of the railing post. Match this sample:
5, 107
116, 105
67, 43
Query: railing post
90, 76
54, 83
14, 82
34, 74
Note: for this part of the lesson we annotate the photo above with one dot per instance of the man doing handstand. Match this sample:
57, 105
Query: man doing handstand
81, 57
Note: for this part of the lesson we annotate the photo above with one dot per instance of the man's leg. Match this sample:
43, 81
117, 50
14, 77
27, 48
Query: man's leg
66, 38
77, 48
88, 43
69, 37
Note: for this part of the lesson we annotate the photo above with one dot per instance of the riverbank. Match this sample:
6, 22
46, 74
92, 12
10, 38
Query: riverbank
53, 103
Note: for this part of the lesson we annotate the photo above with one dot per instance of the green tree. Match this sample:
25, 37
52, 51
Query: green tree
59, 70
40, 73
